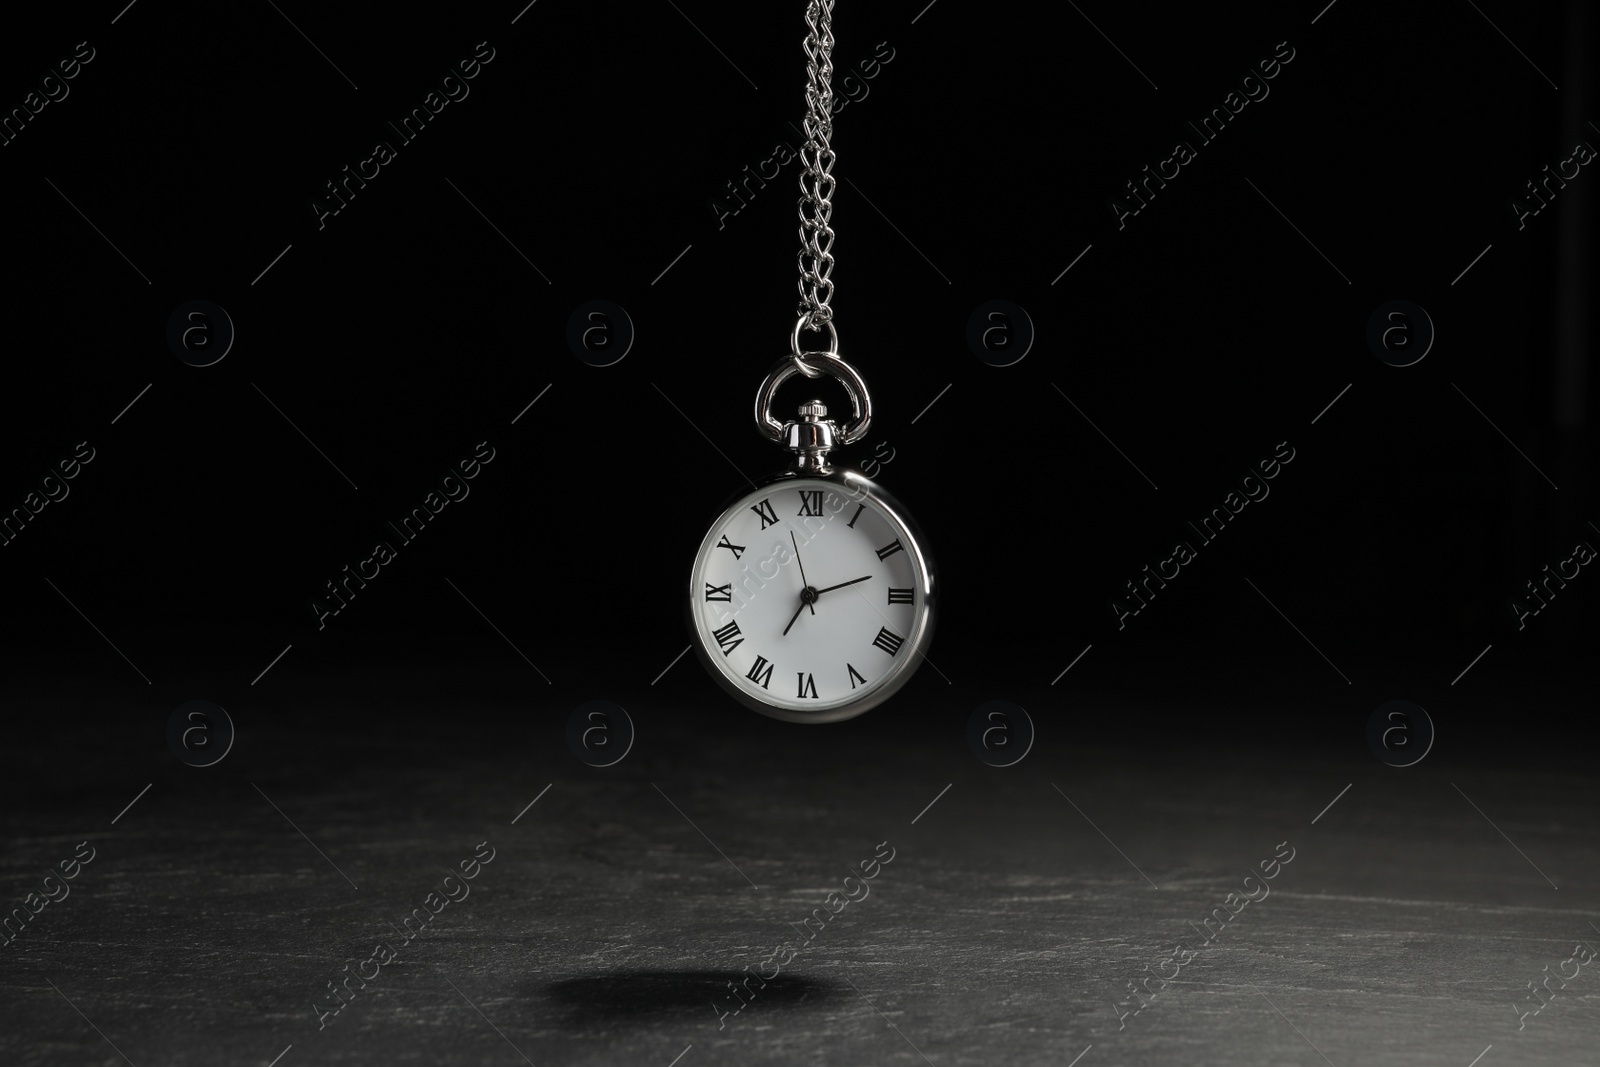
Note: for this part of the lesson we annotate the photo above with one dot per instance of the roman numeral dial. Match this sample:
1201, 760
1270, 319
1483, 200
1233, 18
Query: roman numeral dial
809, 598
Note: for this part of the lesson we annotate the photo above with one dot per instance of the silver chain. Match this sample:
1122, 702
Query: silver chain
816, 246
816, 179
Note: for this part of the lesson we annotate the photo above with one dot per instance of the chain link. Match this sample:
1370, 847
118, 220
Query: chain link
816, 179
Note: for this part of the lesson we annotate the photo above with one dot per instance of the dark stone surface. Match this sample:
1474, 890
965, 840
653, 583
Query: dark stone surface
1004, 930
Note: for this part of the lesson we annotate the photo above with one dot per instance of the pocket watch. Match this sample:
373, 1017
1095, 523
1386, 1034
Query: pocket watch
811, 596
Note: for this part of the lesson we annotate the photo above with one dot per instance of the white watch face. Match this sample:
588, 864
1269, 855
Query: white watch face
811, 598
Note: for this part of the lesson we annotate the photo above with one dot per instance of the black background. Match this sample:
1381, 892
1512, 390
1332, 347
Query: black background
1196, 338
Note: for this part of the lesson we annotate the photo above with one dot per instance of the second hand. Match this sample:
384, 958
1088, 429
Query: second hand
804, 583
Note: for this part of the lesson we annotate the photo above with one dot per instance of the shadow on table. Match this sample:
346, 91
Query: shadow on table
644, 996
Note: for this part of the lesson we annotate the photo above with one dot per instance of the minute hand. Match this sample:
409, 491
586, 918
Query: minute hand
841, 585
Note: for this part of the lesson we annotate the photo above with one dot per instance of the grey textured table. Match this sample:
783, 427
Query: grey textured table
1016, 911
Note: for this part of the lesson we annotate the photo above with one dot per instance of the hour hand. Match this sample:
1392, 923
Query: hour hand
807, 599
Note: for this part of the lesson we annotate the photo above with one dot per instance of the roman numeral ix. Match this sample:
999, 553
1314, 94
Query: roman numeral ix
725, 592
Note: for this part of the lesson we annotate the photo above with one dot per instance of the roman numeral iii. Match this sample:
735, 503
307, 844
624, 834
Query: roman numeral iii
901, 596
768, 516
728, 638
890, 549
807, 685
725, 592
889, 641
758, 676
